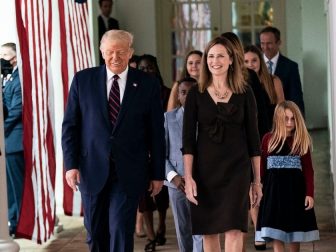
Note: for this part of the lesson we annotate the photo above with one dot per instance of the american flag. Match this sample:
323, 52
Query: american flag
76, 55
36, 27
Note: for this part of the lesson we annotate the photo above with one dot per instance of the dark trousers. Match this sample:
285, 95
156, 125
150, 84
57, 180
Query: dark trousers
109, 218
15, 177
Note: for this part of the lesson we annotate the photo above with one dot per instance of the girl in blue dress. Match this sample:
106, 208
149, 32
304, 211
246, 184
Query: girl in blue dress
286, 213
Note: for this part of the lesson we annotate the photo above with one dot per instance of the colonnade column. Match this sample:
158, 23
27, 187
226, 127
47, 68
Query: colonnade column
330, 7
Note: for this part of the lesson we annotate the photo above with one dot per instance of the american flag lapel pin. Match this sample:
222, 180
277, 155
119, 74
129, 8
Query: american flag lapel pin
135, 84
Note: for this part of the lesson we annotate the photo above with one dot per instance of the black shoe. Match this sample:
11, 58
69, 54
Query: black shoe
12, 232
260, 246
150, 246
160, 239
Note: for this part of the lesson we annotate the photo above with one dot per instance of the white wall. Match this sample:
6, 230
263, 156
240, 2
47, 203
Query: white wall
331, 7
8, 22
305, 43
137, 17
314, 45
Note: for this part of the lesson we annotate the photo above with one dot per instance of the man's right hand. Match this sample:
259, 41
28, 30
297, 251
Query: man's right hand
178, 181
72, 178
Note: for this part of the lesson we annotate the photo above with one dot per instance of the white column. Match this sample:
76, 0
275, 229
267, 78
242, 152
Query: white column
6, 243
330, 7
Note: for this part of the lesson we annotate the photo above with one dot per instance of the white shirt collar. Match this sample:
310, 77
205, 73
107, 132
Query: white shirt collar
121, 81
274, 60
122, 75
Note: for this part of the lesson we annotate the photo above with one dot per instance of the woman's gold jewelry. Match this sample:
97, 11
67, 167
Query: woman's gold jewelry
219, 95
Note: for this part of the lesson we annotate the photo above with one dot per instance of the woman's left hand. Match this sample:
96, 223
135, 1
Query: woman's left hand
255, 194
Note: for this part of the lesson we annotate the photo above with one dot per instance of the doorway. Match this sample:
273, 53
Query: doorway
185, 25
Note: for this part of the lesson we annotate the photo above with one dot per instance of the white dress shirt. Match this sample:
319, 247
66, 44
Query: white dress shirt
274, 61
121, 81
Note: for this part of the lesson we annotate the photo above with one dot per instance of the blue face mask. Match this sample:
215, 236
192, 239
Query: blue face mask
6, 67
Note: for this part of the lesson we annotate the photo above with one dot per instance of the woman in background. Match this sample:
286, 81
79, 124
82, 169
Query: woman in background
191, 68
270, 83
147, 205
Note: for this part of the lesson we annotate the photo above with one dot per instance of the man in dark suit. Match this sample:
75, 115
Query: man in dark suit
105, 22
12, 102
113, 158
279, 65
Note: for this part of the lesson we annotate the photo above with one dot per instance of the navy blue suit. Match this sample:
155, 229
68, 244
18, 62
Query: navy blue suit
93, 146
288, 72
12, 99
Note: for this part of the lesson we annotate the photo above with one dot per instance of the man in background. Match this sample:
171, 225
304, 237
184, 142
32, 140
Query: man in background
12, 102
279, 65
105, 22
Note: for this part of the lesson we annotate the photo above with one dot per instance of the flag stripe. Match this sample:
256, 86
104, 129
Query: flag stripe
76, 55
34, 20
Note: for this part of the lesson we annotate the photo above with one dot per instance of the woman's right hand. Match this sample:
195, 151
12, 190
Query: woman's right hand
191, 190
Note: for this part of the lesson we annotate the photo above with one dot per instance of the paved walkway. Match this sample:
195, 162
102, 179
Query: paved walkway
72, 238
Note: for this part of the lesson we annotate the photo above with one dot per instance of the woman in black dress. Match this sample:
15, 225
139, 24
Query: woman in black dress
220, 143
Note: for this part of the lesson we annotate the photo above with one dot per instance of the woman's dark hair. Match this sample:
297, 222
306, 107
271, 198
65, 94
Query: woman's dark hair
152, 59
135, 59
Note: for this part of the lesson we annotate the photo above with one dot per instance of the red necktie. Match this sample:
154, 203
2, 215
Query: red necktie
114, 100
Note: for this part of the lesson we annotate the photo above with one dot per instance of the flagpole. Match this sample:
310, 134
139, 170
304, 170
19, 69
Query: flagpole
6, 243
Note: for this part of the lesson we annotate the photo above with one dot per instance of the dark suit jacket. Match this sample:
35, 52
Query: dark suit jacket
12, 99
89, 141
288, 72
113, 24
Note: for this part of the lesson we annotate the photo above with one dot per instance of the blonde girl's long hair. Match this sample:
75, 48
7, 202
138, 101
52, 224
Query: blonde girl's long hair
301, 138
265, 78
235, 76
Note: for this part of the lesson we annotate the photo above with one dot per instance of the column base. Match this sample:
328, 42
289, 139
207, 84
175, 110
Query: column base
9, 246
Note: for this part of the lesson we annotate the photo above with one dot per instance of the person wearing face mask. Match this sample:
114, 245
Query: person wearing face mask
12, 102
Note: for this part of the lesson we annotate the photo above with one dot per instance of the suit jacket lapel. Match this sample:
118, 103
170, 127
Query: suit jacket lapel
279, 66
130, 90
179, 119
102, 94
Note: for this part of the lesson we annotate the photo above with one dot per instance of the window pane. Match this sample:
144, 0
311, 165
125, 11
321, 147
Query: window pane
200, 39
181, 42
249, 16
242, 13
181, 16
200, 15
263, 12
